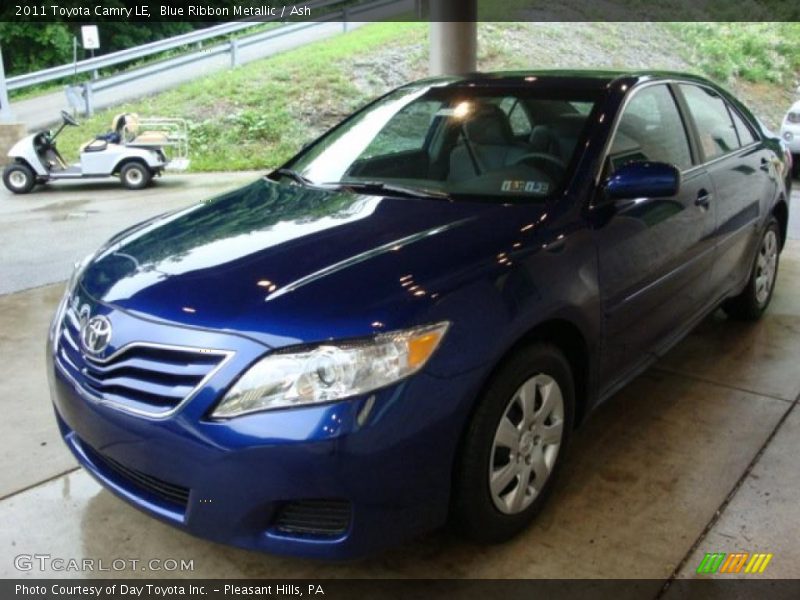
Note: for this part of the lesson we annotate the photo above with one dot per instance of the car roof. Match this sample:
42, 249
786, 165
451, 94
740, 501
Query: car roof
574, 78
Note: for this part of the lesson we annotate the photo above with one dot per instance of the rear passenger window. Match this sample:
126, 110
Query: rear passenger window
745, 133
713, 120
517, 117
651, 129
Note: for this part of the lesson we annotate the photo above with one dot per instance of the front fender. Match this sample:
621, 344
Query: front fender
23, 150
522, 291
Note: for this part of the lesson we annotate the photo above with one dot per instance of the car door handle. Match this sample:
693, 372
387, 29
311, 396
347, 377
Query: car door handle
703, 199
764, 165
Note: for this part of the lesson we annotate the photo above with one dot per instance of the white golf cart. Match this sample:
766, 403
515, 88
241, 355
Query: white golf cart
127, 151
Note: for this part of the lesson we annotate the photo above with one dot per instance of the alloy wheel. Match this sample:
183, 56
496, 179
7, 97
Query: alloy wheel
526, 444
766, 266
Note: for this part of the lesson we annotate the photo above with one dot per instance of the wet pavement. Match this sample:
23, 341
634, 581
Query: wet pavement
697, 455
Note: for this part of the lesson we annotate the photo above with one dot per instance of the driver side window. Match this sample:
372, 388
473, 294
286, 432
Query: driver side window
651, 129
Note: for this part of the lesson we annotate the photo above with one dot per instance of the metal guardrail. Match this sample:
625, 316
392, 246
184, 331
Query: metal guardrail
122, 56
81, 97
130, 54
230, 47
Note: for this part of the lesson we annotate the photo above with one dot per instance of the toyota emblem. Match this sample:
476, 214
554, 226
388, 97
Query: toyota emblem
96, 334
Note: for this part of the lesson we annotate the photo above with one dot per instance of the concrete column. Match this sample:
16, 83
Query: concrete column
453, 36
10, 132
5, 109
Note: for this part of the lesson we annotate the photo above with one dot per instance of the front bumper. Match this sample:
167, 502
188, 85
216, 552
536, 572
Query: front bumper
232, 481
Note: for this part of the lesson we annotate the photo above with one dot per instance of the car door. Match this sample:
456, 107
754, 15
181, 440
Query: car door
744, 177
655, 254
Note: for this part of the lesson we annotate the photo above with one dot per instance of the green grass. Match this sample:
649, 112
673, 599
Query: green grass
754, 52
258, 115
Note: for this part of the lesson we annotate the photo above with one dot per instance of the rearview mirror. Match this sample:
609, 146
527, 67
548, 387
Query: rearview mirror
643, 180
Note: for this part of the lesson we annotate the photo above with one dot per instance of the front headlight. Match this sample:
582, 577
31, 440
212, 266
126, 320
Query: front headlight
331, 371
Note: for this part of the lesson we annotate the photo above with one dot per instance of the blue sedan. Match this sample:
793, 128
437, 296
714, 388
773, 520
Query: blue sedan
402, 326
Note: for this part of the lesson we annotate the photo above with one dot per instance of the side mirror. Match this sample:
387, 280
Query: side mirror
643, 180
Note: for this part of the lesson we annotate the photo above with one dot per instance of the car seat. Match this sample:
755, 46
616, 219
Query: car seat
491, 144
559, 137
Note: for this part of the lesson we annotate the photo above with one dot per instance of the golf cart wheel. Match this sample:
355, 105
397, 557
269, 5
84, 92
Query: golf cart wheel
135, 175
19, 178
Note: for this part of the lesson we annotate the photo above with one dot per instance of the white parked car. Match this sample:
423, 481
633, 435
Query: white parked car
790, 134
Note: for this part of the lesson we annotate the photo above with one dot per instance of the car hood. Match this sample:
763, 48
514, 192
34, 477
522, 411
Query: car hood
287, 264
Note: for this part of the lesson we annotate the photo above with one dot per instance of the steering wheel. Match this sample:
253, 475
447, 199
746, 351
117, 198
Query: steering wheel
542, 157
68, 119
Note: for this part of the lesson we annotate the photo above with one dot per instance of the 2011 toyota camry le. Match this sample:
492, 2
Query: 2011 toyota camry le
402, 325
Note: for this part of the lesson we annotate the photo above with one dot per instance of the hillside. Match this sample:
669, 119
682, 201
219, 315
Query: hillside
258, 115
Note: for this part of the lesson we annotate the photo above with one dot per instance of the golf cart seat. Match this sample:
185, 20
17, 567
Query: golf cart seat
96, 145
113, 136
134, 137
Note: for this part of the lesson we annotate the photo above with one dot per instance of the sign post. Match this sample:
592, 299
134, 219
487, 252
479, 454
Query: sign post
90, 39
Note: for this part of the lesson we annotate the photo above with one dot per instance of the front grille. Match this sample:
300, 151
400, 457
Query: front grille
144, 377
170, 492
318, 517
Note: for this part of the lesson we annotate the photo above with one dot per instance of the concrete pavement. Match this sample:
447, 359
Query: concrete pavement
697, 455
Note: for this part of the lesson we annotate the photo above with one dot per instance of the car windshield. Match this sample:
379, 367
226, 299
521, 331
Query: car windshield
492, 144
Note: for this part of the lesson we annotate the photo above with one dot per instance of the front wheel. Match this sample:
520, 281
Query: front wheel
19, 178
514, 445
754, 299
135, 175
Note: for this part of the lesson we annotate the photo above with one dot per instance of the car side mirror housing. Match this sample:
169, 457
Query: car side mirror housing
643, 180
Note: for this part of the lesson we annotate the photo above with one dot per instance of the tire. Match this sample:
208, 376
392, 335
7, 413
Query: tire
754, 299
19, 178
492, 516
135, 175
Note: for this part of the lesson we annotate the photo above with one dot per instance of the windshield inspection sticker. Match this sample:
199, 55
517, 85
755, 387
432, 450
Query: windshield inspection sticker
528, 187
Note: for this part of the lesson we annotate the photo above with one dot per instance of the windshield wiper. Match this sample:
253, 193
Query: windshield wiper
391, 188
293, 175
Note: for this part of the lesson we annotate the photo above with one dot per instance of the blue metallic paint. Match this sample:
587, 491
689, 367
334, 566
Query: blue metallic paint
212, 276
643, 180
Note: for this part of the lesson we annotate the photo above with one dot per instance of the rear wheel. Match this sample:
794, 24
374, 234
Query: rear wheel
19, 178
754, 299
514, 445
135, 175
